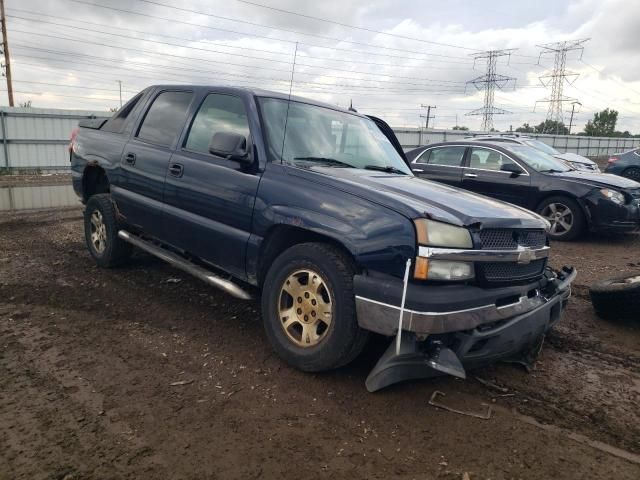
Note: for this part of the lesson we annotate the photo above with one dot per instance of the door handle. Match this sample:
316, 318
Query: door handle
418, 170
130, 158
470, 175
176, 170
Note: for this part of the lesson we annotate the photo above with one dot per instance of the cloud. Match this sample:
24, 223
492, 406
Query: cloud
89, 48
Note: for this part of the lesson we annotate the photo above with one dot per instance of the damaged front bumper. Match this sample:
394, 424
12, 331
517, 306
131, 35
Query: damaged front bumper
487, 325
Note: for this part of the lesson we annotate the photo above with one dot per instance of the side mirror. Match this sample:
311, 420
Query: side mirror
512, 168
231, 145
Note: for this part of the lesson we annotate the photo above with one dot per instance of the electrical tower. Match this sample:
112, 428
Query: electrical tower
557, 78
489, 82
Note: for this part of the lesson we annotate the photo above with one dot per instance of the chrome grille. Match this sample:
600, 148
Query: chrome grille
509, 239
507, 272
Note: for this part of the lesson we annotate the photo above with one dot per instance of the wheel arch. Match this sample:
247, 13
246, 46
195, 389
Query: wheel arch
569, 195
280, 237
94, 181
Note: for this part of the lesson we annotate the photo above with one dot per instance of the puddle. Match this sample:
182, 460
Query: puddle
37, 197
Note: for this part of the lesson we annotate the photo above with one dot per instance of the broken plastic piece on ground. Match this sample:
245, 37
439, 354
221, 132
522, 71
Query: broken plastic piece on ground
483, 416
528, 357
412, 363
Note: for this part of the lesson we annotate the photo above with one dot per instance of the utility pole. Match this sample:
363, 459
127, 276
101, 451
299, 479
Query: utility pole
489, 82
557, 78
5, 51
573, 110
120, 85
428, 115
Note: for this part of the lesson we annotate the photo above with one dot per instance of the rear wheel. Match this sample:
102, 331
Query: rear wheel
565, 216
308, 308
633, 173
101, 228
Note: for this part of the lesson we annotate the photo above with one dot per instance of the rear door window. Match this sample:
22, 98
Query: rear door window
218, 113
165, 118
444, 156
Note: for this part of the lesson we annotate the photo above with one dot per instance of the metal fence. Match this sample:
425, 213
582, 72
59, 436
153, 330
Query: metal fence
586, 146
36, 139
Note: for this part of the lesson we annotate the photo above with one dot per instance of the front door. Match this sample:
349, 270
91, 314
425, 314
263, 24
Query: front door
209, 199
145, 157
484, 175
441, 164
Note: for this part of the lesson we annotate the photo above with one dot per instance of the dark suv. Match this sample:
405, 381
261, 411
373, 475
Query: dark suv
572, 201
316, 210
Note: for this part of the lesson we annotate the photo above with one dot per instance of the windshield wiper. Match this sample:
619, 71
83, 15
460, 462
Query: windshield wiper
552, 170
385, 168
328, 161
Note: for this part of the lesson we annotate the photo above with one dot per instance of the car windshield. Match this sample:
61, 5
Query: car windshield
320, 135
538, 160
543, 147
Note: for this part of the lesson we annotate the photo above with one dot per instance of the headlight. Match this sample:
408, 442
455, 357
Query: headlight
615, 197
438, 234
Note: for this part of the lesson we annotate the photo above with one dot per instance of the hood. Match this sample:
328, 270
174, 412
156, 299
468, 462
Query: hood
598, 179
414, 197
574, 157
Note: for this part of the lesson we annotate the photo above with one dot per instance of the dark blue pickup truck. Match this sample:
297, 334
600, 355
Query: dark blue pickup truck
316, 208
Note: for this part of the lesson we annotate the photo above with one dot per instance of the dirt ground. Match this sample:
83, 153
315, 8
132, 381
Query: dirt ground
143, 372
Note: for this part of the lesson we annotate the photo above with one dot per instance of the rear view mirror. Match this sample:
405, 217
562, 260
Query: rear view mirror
512, 168
231, 145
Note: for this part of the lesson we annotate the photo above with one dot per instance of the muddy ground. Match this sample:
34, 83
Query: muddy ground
143, 372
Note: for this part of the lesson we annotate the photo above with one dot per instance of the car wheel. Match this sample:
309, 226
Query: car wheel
633, 173
101, 227
565, 216
308, 308
617, 297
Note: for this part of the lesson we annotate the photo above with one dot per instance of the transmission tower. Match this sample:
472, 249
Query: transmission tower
489, 82
557, 78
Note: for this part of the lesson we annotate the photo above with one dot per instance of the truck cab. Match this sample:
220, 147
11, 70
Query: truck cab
315, 210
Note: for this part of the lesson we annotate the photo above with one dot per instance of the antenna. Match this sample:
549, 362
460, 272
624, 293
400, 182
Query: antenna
286, 118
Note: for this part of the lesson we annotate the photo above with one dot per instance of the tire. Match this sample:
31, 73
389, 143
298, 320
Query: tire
101, 228
551, 207
314, 346
617, 297
632, 173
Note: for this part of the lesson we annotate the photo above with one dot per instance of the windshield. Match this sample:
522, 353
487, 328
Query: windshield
543, 147
324, 136
538, 160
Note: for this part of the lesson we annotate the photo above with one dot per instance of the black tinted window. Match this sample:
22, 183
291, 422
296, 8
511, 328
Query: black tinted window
447, 156
218, 113
165, 118
116, 123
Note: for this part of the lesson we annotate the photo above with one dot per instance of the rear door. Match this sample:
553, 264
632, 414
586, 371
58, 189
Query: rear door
139, 191
442, 164
484, 175
209, 199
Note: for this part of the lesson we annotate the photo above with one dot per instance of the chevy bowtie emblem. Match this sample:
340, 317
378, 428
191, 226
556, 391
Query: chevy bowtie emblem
526, 256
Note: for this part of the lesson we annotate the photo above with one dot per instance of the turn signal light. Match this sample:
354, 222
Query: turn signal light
421, 269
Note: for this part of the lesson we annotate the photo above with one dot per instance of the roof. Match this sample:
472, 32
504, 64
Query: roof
258, 92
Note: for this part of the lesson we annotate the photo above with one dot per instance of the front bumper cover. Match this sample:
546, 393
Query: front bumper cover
428, 308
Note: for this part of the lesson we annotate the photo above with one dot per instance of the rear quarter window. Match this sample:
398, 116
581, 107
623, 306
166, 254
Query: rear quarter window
165, 118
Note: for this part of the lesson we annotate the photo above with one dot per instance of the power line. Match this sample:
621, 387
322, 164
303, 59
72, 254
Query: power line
489, 82
149, 52
291, 42
314, 18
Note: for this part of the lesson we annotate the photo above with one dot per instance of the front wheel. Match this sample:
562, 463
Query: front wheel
308, 308
101, 227
565, 216
633, 173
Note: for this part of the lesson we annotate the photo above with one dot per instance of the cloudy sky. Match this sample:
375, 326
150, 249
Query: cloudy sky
387, 56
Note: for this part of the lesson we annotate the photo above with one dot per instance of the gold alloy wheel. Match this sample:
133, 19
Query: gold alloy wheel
305, 308
98, 232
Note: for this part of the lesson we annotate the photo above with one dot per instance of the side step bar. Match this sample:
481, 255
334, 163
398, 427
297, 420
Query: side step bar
185, 265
